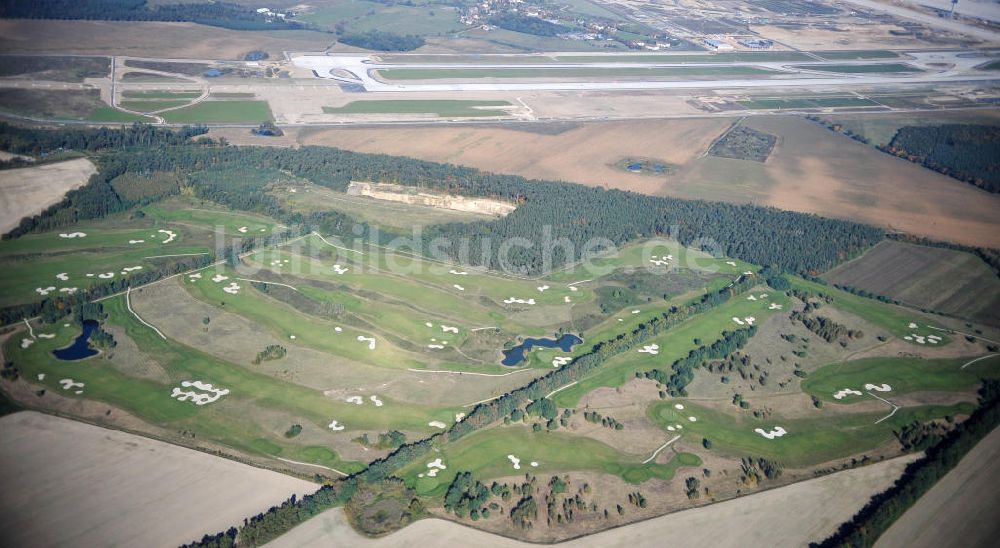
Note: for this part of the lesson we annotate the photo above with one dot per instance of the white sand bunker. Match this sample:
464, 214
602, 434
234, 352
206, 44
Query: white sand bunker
437, 424
449, 329
106, 275
737, 320
41, 376
515, 461
774, 306
731, 263
671, 428
62, 276
534, 464
776, 432
242, 229
128, 269
751, 298
459, 417
74, 235
912, 325
458, 272
542, 288
749, 320
133, 242
693, 419
338, 329
428, 324
369, 340
458, 287
25, 343
513, 300
233, 289
290, 336
678, 406
376, 401
69, 290
70, 383
45, 290
357, 400
46, 335
878, 387
208, 394
335, 426
339, 270
195, 276
573, 288
560, 361
219, 278
89, 275
660, 261
841, 394
653, 349
435, 346
566, 299
636, 311
170, 235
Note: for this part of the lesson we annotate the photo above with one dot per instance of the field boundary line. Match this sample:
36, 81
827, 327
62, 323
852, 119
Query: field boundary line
128, 304
314, 465
466, 372
264, 282
661, 448
967, 364
560, 388
320, 236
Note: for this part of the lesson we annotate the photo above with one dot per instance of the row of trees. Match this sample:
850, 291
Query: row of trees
379, 40
682, 370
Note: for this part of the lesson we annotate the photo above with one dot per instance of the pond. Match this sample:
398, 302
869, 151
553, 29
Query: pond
80, 349
519, 353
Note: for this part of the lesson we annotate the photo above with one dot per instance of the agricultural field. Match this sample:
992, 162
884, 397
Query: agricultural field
62, 105
945, 280
226, 111
56, 68
359, 16
27, 191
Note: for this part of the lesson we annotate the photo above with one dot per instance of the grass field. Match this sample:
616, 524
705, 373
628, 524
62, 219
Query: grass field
443, 107
151, 105
861, 69
598, 73
778, 103
233, 112
362, 16
940, 279
62, 105
159, 94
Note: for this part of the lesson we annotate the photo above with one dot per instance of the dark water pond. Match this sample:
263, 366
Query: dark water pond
519, 353
80, 349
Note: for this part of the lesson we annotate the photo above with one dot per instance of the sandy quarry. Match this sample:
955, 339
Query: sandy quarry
795, 514
29, 190
72, 484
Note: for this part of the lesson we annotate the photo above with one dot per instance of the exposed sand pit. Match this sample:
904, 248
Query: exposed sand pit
774, 306
41, 376
376, 401
737, 320
515, 461
534, 464
44, 290
233, 289
566, 299
209, 393
46, 335
458, 287
878, 387
106, 275
653, 349
449, 329
560, 361
340, 270
693, 419
542, 288
437, 424
62, 276
370, 340
458, 272
513, 300
219, 278
25, 343
357, 400
70, 383
678, 406
841, 394
170, 235
335, 426
133, 242
775, 432
69, 290
459, 417
73, 235
242, 230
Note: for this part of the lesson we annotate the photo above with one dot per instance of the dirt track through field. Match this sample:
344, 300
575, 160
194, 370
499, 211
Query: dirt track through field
67, 483
28, 191
787, 516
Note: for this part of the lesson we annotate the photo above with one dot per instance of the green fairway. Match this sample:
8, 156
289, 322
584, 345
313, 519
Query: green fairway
807, 441
484, 453
234, 112
442, 107
591, 73
902, 374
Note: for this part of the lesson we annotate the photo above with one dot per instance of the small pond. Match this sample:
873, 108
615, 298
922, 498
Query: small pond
80, 348
519, 353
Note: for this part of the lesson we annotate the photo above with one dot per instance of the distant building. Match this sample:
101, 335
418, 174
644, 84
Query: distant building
718, 45
756, 43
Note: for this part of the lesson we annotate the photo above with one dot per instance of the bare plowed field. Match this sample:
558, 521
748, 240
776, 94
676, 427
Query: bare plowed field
28, 191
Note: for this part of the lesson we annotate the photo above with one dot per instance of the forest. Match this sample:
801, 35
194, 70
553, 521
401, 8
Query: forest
216, 14
382, 41
527, 25
966, 152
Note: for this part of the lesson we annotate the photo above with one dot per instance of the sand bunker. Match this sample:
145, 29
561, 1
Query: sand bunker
458, 273
515, 461
749, 320
128, 269
776, 432
512, 300
678, 406
69, 290
573, 288
370, 340
219, 278
358, 400
208, 395
653, 349
133, 242
449, 329
70, 383
195, 276
751, 298
534, 464
41, 376
62, 276
878, 387
774, 306
912, 325
106, 275
376, 401
428, 324
458, 287
459, 417
435, 346
335, 426
730, 263
170, 235
841, 394
46, 335
233, 289
671, 428
737, 320
25, 343
693, 419
566, 299
437, 424
660, 261
74, 235
339, 270
242, 229
560, 361
636, 311
542, 288
45, 290
338, 329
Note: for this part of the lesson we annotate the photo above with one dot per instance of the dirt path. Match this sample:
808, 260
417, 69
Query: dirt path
788, 516
962, 510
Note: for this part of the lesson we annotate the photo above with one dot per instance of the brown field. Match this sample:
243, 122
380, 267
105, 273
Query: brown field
961, 510
874, 36
811, 169
950, 281
29, 190
787, 516
881, 128
150, 39
72, 484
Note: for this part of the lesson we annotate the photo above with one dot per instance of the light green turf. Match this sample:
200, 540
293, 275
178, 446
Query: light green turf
151, 105
234, 112
484, 453
807, 442
109, 114
902, 374
160, 94
440, 107
859, 69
